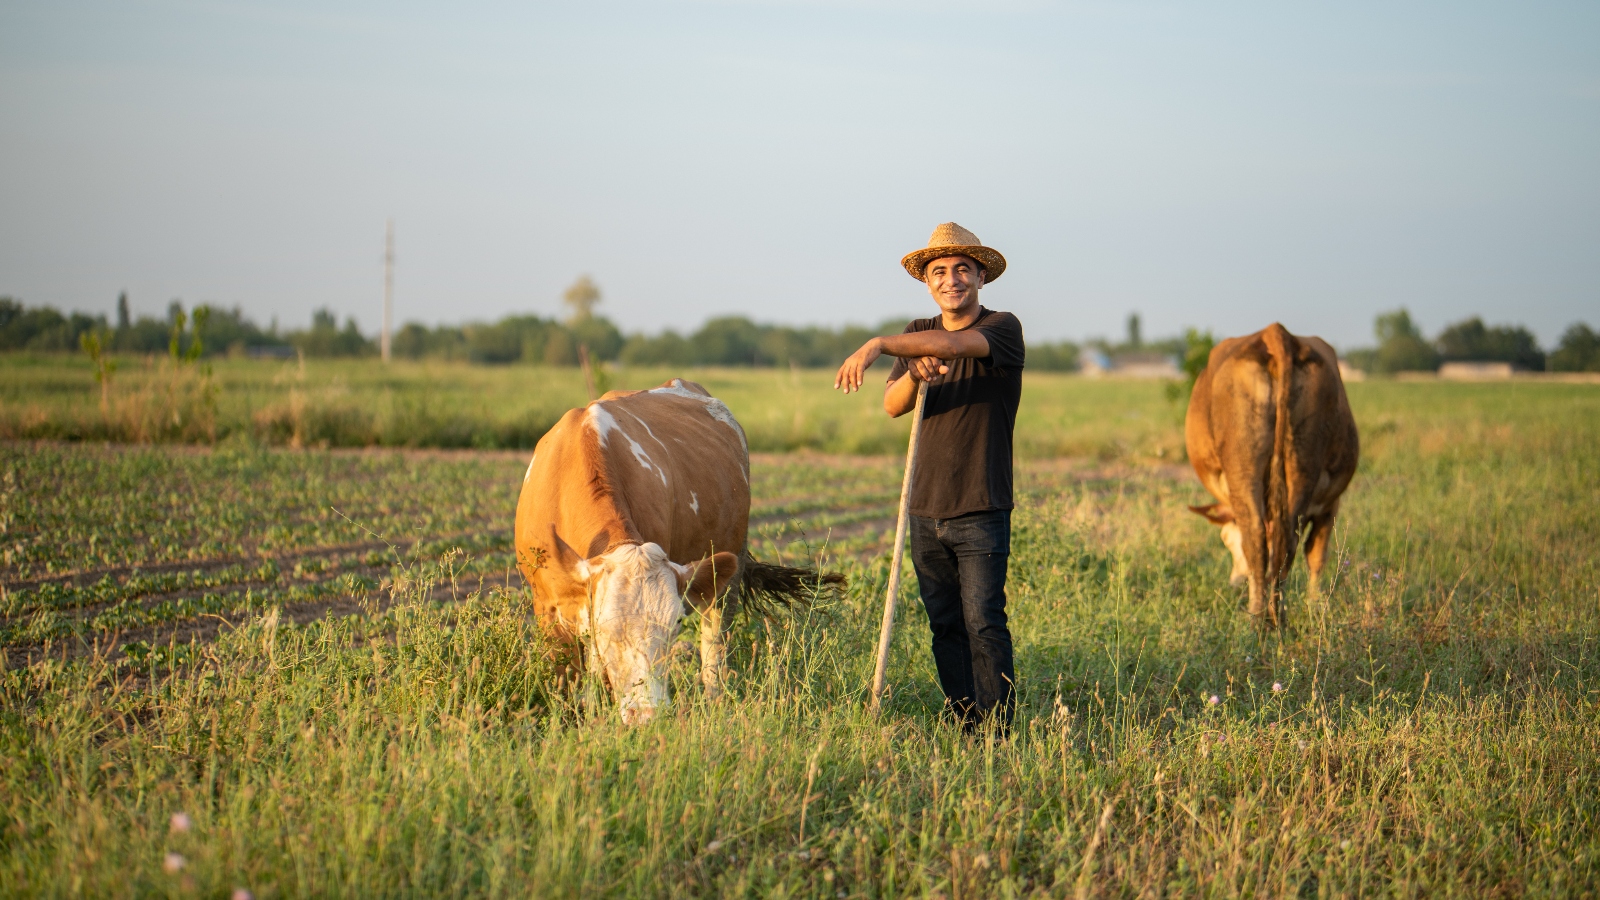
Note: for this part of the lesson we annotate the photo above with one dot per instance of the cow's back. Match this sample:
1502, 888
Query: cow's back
1271, 436
667, 466
1233, 428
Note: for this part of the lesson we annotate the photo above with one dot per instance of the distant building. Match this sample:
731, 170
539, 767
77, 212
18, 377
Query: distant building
1098, 364
1475, 371
1348, 372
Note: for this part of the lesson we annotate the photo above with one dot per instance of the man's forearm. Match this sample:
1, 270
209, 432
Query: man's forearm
900, 396
942, 344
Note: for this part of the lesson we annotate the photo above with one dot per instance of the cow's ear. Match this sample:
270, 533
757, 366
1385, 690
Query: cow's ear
585, 570
1216, 513
708, 579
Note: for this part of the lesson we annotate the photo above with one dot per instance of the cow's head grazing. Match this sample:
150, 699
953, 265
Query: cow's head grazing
637, 601
1221, 515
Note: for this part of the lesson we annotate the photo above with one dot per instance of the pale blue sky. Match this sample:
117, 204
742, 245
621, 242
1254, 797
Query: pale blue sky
1214, 164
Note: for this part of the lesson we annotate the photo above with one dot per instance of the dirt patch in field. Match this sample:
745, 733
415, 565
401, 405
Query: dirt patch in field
206, 628
289, 558
850, 516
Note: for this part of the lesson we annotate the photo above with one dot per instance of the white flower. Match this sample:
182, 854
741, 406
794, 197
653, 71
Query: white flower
180, 823
1277, 687
174, 863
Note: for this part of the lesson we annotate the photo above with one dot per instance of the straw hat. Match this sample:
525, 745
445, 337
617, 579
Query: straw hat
951, 239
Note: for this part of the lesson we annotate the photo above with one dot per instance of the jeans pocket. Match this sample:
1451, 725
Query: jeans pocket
985, 532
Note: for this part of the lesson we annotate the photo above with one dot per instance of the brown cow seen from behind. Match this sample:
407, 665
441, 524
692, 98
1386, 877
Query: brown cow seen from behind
1271, 436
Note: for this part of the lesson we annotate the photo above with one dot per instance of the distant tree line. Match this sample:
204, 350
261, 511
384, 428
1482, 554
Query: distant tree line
724, 341
220, 332
1403, 348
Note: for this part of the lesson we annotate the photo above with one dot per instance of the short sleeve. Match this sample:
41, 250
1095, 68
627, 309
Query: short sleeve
1004, 334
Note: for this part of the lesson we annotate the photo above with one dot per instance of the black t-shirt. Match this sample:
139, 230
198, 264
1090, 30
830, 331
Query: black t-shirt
964, 452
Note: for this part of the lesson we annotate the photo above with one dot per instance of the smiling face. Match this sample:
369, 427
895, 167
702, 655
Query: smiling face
954, 281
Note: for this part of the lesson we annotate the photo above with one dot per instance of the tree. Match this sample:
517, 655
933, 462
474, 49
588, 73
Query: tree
559, 348
42, 328
1579, 350
1135, 337
124, 317
1061, 356
582, 297
600, 336
1401, 347
1197, 346
728, 341
666, 349
325, 338
1470, 341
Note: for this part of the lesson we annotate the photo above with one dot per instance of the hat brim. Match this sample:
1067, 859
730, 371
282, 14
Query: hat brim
991, 260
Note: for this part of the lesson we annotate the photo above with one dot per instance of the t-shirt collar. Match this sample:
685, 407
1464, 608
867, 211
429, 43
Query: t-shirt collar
982, 311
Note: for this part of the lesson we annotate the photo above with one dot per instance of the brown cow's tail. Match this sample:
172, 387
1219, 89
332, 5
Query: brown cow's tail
1281, 528
767, 588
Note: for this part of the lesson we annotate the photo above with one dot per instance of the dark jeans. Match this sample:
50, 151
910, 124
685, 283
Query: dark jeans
961, 567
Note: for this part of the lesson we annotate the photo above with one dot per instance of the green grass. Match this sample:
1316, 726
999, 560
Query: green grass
361, 403
350, 718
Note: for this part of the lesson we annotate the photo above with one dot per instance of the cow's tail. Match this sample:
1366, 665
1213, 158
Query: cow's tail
765, 588
1281, 528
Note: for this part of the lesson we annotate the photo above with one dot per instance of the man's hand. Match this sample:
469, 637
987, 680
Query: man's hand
854, 370
927, 368
923, 351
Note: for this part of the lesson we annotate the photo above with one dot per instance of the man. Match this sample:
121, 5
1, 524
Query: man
971, 357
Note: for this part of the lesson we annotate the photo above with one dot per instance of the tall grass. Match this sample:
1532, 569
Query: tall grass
362, 403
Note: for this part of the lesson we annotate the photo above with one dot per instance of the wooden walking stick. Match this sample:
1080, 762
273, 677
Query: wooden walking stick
886, 633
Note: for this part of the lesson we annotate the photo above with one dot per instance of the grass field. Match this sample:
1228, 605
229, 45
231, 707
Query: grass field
323, 661
358, 403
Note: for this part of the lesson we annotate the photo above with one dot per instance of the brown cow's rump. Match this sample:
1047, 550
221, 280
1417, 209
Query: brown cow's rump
1270, 434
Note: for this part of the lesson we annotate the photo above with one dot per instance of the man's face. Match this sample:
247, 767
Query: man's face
954, 282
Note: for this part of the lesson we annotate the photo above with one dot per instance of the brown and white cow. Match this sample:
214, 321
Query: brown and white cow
629, 506
1271, 436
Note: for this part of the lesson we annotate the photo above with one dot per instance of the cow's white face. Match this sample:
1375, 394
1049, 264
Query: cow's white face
635, 609
1233, 539
1221, 516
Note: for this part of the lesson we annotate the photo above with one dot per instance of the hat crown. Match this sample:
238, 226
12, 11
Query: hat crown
951, 239
952, 235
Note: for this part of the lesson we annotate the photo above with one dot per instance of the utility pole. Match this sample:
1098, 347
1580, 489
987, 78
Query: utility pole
388, 287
